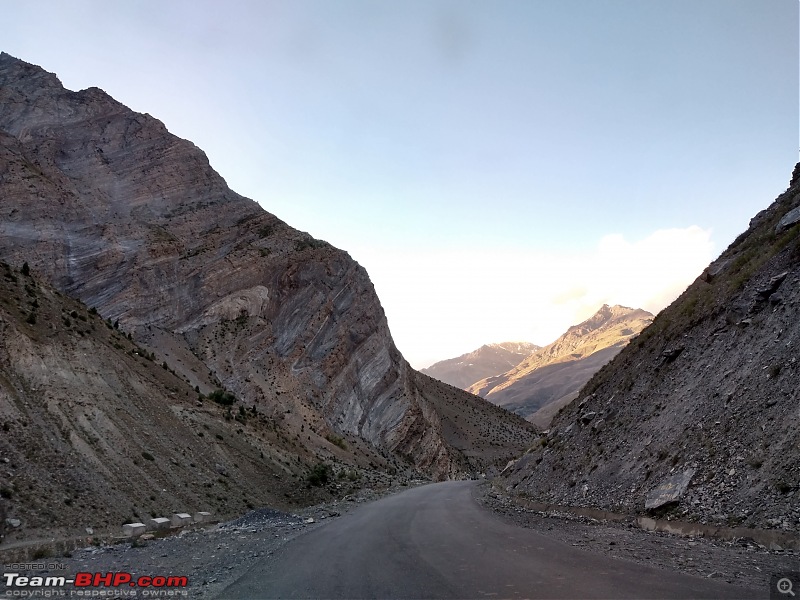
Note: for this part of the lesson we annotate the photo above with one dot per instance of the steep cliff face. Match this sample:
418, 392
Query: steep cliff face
555, 373
705, 399
133, 220
94, 433
486, 361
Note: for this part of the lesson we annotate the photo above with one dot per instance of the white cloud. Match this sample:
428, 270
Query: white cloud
441, 304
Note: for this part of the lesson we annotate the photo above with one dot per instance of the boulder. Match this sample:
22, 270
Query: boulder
669, 490
790, 218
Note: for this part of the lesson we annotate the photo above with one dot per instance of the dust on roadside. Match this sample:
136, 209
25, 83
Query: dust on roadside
741, 562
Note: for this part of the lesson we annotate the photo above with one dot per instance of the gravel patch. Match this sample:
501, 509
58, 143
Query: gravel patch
741, 562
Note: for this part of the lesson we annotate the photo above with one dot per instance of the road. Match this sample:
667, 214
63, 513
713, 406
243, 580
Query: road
436, 541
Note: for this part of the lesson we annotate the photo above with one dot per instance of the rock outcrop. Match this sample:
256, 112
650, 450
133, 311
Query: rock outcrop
132, 220
486, 361
708, 391
554, 374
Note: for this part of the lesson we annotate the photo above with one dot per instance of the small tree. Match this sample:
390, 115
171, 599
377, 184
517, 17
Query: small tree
26, 270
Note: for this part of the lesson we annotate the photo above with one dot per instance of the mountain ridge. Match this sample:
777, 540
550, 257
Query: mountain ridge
115, 210
557, 371
488, 360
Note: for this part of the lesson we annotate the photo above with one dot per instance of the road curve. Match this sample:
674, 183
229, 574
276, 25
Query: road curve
435, 541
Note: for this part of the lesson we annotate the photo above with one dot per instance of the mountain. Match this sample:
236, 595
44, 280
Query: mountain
555, 373
703, 404
488, 360
96, 433
110, 208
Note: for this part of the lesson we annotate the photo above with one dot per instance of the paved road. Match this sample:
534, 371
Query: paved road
435, 541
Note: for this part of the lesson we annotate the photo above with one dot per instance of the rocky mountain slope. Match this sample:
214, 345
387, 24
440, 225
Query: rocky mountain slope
115, 211
95, 433
554, 374
486, 361
697, 417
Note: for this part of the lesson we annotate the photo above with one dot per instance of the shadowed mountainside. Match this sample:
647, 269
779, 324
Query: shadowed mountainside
708, 394
96, 433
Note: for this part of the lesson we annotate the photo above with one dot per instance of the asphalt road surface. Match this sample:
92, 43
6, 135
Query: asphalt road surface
435, 541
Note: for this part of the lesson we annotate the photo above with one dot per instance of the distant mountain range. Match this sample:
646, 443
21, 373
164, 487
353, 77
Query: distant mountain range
538, 383
554, 374
486, 361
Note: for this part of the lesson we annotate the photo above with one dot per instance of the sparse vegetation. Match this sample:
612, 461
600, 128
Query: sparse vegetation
336, 440
319, 474
222, 397
304, 244
42, 552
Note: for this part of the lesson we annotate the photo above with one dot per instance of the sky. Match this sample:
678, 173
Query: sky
501, 169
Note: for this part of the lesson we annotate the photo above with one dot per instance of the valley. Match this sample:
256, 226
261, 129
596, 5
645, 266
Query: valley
167, 346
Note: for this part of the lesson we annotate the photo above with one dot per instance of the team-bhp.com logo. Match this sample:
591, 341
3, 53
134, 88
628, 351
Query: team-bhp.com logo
114, 584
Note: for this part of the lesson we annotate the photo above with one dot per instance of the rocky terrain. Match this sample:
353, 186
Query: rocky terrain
214, 556
488, 360
550, 377
108, 207
696, 419
96, 433
211, 556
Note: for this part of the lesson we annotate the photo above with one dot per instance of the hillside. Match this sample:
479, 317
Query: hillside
555, 373
486, 361
112, 209
96, 433
707, 395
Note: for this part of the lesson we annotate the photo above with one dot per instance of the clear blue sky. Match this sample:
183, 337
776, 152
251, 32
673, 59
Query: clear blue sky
501, 168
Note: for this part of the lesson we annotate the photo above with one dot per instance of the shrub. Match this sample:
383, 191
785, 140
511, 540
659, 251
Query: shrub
319, 474
26, 270
336, 440
222, 397
42, 552
31, 319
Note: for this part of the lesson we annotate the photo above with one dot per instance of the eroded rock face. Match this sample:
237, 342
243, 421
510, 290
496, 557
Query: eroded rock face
133, 221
